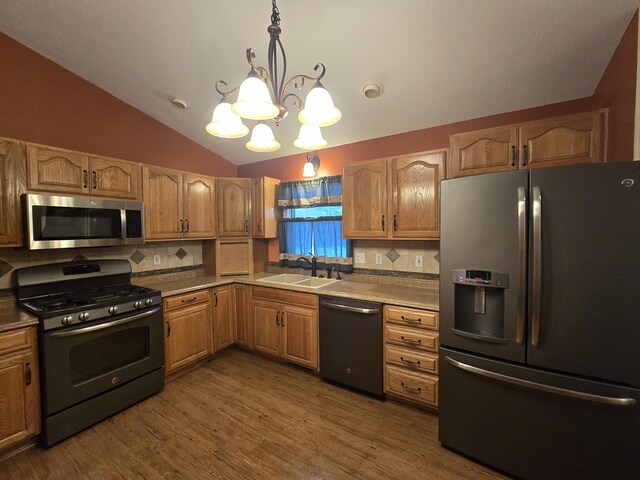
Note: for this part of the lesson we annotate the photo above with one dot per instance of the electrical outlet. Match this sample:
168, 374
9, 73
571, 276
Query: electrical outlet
378, 259
359, 257
418, 260
156, 259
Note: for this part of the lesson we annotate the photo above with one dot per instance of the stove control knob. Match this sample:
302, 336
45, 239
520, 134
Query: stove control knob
84, 316
67, 319
137, 304
113, 310
148, 302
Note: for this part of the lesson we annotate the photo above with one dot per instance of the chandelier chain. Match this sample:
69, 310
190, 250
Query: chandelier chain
275, 13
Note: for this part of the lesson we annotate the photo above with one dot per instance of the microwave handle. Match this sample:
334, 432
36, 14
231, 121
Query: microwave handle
123, 223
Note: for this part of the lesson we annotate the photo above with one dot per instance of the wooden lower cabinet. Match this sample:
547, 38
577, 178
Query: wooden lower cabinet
19, 387
243, 326
285, 325
222, 317
187, 320
411, 355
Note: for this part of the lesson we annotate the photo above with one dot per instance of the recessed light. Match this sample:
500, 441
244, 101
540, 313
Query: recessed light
179, 103
371, 90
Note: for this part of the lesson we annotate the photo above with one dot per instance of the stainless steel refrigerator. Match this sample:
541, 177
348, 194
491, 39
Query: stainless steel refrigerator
540, 320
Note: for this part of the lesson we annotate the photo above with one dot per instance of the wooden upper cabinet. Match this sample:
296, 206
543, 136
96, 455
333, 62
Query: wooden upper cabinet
56, 170
567, 140
563, 141
234, 201
483, 151
199, 206
67, 172
364, 200
115, 178
162, 190
415, 195
263, 207
13, 178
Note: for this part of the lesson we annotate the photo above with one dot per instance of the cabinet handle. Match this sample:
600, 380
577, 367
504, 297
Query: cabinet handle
181, 226
85, 179
95, 179
278, 318
525, 155
28, 373
246, 225
513, 155
215, 295
259, 225
189, 300
411, 340
186, 222
395, 223
168, 329
282, 319
412, 320
411, 389
410, 362
383, 223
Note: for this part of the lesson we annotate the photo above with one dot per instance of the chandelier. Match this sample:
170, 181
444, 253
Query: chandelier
263, 95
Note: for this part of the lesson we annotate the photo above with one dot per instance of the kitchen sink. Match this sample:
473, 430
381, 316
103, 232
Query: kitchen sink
298, 280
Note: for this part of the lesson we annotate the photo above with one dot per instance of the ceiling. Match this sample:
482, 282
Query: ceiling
437, 61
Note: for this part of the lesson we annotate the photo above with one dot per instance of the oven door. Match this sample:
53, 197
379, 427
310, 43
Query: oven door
82, 362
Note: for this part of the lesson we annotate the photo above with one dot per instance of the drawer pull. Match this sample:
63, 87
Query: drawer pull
189, 300
410, 362
411, 389
409, 319
413, 341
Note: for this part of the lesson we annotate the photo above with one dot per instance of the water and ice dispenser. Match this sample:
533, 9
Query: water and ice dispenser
479, 304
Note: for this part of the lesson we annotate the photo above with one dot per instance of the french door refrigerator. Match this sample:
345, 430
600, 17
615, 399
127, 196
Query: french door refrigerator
540, 320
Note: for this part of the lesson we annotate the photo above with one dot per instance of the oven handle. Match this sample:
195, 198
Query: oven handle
102, 326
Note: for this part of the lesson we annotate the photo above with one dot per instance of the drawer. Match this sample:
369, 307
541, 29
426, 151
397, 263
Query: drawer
413, 359
411, 317
418, 387
15, 340
285, 296
186, 299
411, 337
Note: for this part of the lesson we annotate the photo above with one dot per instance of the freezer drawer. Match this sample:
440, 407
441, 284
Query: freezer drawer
534, 433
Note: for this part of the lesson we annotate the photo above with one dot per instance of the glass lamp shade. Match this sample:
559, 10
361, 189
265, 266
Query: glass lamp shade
262, 139
319, 109
310, 138
254, 101
225, 123
308, 170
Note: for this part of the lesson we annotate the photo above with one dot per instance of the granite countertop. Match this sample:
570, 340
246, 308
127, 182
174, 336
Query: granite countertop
12, 317
404, 295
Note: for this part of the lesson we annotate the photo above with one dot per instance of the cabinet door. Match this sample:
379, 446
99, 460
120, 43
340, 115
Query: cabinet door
415, 195
364, 200
300, 338
243, 333
12, 184
187, 336
263, 207
19, 397
266, 327
56, 170
115, 178
199, 206
483, 151
163, 203
234, 199
222, 318
563, 140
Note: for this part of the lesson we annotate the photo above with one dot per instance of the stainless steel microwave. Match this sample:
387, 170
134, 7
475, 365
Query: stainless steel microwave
54, 221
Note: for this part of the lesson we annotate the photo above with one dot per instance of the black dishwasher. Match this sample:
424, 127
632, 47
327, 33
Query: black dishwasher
351, 343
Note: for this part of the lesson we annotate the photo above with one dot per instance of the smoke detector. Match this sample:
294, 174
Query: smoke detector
371, 90
179, 103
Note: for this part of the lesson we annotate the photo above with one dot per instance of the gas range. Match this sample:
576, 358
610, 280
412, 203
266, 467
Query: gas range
65, 294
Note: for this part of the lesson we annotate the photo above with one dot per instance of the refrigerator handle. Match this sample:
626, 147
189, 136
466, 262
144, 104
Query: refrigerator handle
537, 266
522, 258
590, 397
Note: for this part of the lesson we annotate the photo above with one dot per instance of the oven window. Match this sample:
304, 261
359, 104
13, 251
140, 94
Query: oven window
107, 353
71, 223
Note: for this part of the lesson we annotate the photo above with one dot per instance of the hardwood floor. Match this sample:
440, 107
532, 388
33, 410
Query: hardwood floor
243, 416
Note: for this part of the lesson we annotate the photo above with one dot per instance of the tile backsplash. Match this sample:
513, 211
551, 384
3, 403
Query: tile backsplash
398, 255
172, 255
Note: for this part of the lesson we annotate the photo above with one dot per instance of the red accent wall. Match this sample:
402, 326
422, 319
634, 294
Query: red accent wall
42, 102
617, 90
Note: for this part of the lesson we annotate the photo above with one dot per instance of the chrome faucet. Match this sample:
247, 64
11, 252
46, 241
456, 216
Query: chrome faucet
313, 263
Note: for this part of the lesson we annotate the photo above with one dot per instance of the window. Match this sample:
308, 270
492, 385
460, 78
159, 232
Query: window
312, 223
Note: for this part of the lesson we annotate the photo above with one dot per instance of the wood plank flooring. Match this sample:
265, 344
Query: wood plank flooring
242, 416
